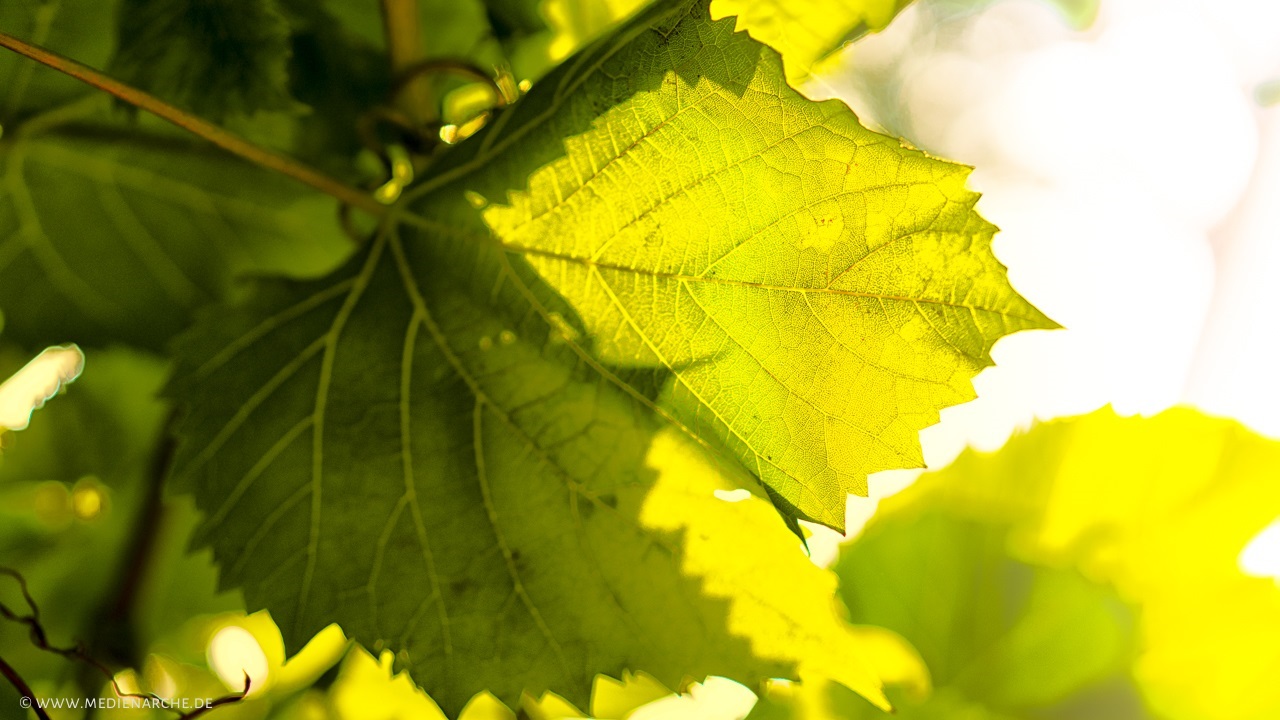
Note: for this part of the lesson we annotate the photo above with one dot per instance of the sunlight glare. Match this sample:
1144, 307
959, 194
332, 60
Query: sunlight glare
37, 382
715, 699
233, 653
1261, 557
734, 495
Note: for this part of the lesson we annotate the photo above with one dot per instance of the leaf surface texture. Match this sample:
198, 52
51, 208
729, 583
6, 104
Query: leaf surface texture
389, 450
490, 442
815, 292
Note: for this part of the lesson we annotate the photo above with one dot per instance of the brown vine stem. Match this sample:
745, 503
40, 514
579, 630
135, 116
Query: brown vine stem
218, 136
23, 689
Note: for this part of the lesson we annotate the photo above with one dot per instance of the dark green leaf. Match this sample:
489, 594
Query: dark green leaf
110, 232
215, 57
83, 29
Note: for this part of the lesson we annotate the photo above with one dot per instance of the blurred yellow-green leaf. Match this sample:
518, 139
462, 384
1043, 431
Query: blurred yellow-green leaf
1091, 568
807, 31
1014, 638
1161, 508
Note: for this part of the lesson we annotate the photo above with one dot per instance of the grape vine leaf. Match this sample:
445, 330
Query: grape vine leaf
1161, 508
447, 448
1002, 636
407, 449
809, 293
111, 232
219, 58
114, 230
807, 31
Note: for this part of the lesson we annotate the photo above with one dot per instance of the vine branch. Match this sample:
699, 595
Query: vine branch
220, 137
23, 689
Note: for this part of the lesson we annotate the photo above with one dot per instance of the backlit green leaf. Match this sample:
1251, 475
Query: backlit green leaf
809, 293
408, 449
1004, 633
807, 31
484, 443
996, 632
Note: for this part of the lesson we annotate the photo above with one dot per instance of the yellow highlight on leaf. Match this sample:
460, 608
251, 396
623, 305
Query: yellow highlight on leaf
777, 599
807, 31
814, 292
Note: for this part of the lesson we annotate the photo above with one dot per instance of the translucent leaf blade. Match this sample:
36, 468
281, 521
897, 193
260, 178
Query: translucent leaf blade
815, 292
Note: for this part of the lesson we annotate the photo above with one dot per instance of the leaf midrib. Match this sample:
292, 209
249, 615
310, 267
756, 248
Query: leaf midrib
684, 277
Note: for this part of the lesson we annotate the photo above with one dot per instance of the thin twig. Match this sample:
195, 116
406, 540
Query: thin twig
23, 689
224, 700
40, 639
218, 136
